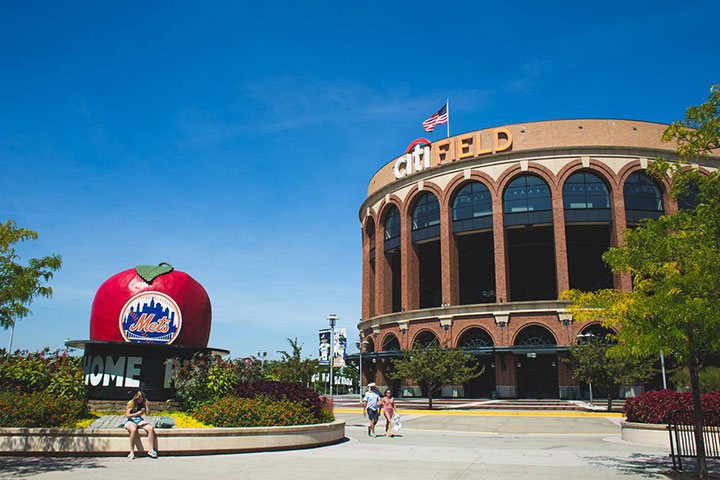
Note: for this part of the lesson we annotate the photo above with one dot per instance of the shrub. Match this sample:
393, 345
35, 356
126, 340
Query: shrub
653, 407
44, 371
259, 411
21, 409
282, 390
207, 376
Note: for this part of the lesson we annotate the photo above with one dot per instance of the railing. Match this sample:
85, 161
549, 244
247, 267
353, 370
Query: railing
681, 429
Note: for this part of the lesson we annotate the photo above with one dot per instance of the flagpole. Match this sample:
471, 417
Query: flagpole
447, 104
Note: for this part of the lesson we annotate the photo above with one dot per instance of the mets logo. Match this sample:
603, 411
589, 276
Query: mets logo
150, 317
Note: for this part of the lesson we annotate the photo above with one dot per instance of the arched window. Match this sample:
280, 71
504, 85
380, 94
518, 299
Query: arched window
472, 208
535, 335
370, 232
392, 228
688, 200
586, 198
426, 218
475, 338
643, 198
527, 200
426, 339
370, 345
597, 332
391, 344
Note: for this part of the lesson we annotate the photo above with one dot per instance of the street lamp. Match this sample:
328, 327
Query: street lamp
586, 336
360, 344
332, 318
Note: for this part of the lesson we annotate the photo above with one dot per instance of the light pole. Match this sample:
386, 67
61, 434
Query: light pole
332, 318
12, 334
662, 366
587, 336
360, 344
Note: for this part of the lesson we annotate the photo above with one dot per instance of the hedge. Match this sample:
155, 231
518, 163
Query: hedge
654, 406
20, 409
260, 411
281, 390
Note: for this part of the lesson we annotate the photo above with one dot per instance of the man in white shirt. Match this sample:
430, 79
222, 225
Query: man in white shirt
370, 406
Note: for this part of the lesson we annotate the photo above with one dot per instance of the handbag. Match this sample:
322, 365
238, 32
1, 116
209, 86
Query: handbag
396, 425
165, 422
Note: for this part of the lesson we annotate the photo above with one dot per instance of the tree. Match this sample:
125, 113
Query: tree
19, 285
432, 367
291, 367
675, 263
595, 362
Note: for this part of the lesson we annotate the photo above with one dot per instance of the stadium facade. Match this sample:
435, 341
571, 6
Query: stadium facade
469, 240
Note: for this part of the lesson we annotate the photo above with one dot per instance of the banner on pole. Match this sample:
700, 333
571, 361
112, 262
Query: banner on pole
340, 345
324, 347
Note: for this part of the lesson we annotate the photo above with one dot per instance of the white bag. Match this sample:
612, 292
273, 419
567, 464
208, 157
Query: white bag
396, 425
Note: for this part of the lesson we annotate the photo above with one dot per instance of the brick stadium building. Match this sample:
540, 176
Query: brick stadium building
468, 242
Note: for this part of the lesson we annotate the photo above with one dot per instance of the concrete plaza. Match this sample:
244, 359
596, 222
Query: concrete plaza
461, 445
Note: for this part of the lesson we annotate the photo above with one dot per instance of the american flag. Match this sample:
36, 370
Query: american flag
437, 118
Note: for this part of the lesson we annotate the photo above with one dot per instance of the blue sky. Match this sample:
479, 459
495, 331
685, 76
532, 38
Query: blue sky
236, 141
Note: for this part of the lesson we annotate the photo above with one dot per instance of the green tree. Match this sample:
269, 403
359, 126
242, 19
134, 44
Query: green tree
292, 367
594, 362
675, 263
434, 366
709, 379
19, 285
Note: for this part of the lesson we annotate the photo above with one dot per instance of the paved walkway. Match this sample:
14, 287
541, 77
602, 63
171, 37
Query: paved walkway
429, 446
118, 421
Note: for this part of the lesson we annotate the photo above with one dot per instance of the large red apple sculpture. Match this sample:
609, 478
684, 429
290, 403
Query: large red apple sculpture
152, 305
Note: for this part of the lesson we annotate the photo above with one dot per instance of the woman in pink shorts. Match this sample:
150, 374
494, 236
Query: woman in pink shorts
388, 406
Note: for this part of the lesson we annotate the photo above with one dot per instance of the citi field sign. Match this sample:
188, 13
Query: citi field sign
422, 154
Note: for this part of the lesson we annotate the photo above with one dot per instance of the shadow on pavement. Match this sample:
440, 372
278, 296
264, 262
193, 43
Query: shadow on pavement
21, 467
655, 466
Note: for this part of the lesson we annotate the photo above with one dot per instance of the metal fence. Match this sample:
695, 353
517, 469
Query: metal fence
682, 435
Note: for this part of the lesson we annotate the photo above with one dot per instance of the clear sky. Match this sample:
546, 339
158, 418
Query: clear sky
236, 140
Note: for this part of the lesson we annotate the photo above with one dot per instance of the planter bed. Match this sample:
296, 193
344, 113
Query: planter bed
655, 434
176, 441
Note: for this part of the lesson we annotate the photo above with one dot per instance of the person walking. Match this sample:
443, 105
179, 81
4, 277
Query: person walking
388, 407
370, 407
134, 419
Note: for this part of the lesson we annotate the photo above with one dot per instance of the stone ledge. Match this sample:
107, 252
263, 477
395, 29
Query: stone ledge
654, 434
181, 441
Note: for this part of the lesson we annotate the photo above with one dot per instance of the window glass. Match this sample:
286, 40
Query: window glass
426, 212
641, 193
473, 200
585, 190
392, 223
370, 229
527, 193
534, 335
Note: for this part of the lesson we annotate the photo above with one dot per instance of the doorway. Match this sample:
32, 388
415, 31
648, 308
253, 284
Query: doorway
538, 377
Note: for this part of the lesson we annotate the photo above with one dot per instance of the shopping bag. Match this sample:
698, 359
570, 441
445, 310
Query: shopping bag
396, 425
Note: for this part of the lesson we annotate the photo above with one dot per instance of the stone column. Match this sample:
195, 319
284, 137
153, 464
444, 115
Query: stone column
568, 386
368, 279
505, 376
561, 261
620, 281
383, 277
410, 267
449, 259
502, 293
